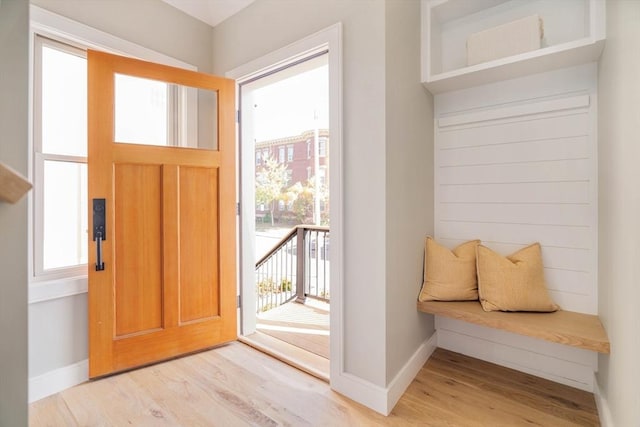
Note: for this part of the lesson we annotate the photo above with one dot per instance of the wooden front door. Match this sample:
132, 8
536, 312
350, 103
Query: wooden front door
168, 286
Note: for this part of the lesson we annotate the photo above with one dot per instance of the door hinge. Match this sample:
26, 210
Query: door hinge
238, 208
237, 116
238, 302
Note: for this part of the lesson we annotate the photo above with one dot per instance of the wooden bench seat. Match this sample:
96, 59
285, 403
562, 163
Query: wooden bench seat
564, 327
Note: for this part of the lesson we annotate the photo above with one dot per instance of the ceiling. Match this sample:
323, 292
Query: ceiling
212, 12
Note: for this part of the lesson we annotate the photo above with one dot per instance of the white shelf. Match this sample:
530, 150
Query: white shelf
574, 34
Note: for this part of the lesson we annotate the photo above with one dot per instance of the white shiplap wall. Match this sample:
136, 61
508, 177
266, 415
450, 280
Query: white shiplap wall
516, 163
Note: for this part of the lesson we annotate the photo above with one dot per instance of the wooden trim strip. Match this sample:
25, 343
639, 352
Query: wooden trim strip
12, 184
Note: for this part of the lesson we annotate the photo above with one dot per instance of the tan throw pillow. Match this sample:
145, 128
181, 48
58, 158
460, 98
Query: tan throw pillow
449, 275
513, 283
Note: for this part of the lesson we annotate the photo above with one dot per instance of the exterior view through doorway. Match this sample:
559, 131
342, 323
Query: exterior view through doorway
285, 146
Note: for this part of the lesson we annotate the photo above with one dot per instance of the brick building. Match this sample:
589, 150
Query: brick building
297, 153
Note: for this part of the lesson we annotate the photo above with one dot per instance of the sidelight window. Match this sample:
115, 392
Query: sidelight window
60, 159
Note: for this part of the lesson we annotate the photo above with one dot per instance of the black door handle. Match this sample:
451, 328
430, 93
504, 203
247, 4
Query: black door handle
99, 230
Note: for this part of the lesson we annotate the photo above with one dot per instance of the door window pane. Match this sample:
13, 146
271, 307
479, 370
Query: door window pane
65, 214
151, 112
140, 110
64, 103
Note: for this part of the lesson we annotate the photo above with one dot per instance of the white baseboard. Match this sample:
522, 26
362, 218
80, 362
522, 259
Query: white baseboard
383, 399
57, 380
405, 377
364, 392
603, 405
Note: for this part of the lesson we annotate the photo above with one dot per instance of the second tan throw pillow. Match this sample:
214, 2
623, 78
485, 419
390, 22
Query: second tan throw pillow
449, 275
513, 283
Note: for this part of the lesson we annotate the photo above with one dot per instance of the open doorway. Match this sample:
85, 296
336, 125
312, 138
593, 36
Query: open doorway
325, 42
285, 129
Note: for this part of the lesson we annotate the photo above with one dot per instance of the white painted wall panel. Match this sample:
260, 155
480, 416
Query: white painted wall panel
537, 127
527, 171
556, 192
556, 362
518, 213
551, 235
526, 151
517, 169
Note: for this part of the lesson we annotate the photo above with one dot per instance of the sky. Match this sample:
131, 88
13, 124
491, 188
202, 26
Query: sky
288, 107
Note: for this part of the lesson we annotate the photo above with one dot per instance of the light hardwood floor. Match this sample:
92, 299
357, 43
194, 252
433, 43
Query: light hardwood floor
236, 385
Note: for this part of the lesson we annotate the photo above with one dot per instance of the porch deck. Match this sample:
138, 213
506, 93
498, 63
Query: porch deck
297, 334
305, 326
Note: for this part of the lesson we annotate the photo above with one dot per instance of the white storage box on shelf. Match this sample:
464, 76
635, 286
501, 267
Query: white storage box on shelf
574, 33
519, 36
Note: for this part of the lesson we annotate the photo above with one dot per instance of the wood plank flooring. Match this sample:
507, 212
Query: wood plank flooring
236, 385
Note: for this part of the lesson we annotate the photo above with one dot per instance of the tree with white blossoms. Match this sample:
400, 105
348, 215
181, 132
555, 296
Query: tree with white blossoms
270, 180
302, 197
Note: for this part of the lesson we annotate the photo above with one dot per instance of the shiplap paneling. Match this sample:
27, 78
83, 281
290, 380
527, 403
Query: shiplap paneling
516, 169
524, 171
525, 109
559, 236
517, 152
556, 362
541, 127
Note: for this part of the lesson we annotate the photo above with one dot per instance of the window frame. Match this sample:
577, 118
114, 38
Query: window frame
322, 147
290, 153
322, 175
65, 281
39, 159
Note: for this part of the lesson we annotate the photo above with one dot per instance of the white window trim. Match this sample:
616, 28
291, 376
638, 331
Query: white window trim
39, 274
58, 28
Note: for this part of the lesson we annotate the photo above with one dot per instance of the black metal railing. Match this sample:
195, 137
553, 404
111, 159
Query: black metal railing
297, 267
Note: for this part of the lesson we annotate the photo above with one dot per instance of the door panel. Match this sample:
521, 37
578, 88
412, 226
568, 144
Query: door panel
138, 261
168, 287
198, 243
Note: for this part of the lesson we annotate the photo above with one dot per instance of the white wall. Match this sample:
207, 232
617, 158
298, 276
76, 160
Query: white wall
267, 25
58, 337
150, 23
57, 334
14, 87
409, 181
387, 200
619, 152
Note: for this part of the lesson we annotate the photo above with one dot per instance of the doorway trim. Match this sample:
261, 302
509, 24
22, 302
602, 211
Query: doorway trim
330, 40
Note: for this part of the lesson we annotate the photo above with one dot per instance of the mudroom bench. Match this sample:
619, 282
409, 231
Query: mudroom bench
565, 327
